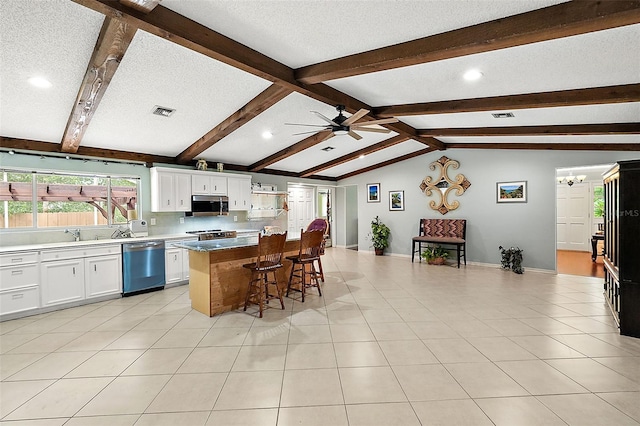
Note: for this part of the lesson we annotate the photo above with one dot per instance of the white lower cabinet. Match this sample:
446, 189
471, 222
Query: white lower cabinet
176, 264
19, 282
78, 274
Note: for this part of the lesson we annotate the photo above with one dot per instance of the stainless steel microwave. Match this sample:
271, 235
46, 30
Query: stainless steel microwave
209, 205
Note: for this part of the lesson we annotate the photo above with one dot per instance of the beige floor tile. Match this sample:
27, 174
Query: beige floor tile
428, 382
197, 418
500, 349
550, 326
454, 350
275, 335
303, 388
137, 339
462, 412
334, 415
309, 334
374, 316
629, 344
342, 317
36, 422
62, 399
310, 317
472, 328
52, 366
195, 319
628, 367
585, 410
181, 338
352, 333
359, 354
12, 363
257, 417
122, 420
400, 414
416, 314
188, 392
593, 376
250, 389
627, 402
92, 341
235, 320
14, 394
121, 322
227, 336
373, 303
9, 326
213, 359
407, 352
106, 363
125, 395
363, 385
433, 330
314, 355
590, 346
44, 343
545, 347
43, 325
393, 331
518, 411
158, 361
512, 327
538, 378
81, 324
158, 322
484, 380
11, 341
258, 358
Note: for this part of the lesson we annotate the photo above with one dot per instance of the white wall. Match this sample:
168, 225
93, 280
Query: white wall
530, 226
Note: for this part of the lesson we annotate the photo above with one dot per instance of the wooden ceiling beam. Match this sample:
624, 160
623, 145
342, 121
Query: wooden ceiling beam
386, 163
354, 155
269, 97
290, 150
113, 41
562, 98
550, 146
549, 23
144, 6
573, 129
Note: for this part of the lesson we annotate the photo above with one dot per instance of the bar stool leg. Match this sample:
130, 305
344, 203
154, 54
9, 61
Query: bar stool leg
278, 289
315, 276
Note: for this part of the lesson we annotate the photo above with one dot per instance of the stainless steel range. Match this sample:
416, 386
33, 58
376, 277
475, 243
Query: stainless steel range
213, 234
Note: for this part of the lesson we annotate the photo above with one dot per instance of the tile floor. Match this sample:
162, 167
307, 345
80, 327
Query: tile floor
390, 343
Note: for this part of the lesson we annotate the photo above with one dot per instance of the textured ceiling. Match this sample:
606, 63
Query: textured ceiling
56, 38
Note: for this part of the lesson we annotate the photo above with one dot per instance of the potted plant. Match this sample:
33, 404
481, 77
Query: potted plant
435, 255
379, 236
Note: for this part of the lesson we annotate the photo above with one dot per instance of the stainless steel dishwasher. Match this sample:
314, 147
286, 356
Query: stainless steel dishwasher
142, 267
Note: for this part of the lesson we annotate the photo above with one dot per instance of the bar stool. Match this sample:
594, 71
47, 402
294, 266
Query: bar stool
270, 249
320, 225
303, 263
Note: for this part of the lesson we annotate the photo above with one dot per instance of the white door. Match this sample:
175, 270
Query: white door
301, 209
573, 223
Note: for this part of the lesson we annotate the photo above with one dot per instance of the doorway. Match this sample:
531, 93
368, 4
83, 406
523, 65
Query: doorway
301, 209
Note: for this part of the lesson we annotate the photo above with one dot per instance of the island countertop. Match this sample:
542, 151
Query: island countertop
222, 243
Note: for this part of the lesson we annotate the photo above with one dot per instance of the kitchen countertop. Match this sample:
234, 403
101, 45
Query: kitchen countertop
221, 244
74, 244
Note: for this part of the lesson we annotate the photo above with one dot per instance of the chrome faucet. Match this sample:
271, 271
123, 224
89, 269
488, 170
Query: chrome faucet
74, 232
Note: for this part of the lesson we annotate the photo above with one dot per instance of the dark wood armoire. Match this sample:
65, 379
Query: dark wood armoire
622, 245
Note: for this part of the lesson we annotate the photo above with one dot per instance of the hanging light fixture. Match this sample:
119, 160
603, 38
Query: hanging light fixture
571, 179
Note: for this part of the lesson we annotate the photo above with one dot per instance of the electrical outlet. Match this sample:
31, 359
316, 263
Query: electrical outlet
235, 218
182, 220
152, 221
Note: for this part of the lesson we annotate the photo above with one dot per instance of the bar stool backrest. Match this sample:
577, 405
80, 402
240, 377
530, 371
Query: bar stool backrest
270, 249
310, 244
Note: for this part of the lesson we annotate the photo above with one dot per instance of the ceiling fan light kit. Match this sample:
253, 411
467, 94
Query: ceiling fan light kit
342, 125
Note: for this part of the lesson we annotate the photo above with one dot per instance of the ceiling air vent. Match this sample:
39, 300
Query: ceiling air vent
503, 115
327, 149
163, 111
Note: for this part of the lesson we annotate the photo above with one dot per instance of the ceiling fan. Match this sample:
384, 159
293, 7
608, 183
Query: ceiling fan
342, 125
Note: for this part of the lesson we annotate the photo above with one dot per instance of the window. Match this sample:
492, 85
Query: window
64, 200
598, 201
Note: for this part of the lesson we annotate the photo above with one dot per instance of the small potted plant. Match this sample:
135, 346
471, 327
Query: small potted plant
435, 255
379, 236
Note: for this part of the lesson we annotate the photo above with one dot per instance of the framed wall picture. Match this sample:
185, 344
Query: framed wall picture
373, 193
396, 200
512, 192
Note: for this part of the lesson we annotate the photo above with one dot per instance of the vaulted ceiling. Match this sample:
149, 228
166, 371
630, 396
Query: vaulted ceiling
567, 72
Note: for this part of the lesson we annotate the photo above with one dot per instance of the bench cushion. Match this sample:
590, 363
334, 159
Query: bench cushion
441, 240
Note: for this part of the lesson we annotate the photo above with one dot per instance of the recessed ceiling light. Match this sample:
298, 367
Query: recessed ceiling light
472, 75
41, 82
361, 156
267, 134
503, 115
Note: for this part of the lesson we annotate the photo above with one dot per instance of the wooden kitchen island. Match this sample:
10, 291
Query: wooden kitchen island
217, 281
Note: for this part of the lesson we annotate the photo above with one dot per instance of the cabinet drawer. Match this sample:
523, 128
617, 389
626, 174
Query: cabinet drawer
80, 252
19, 300
18, 276
18, 258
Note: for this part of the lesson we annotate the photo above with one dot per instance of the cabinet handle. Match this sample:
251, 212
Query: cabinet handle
95, 267
168, 202
16, 260
175, 257
215, 187
18, 272
17, 296
74, 270
204, 187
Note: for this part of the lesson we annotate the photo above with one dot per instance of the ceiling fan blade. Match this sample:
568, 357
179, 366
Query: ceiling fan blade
354, 135
372, 122
372, 129
355, 117
305, 133
308, 125
329, 136
325, 118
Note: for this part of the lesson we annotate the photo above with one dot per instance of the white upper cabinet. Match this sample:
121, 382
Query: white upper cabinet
170, 191
208, 184
239, 192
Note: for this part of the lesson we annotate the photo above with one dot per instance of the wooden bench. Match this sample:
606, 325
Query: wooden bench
444, 232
